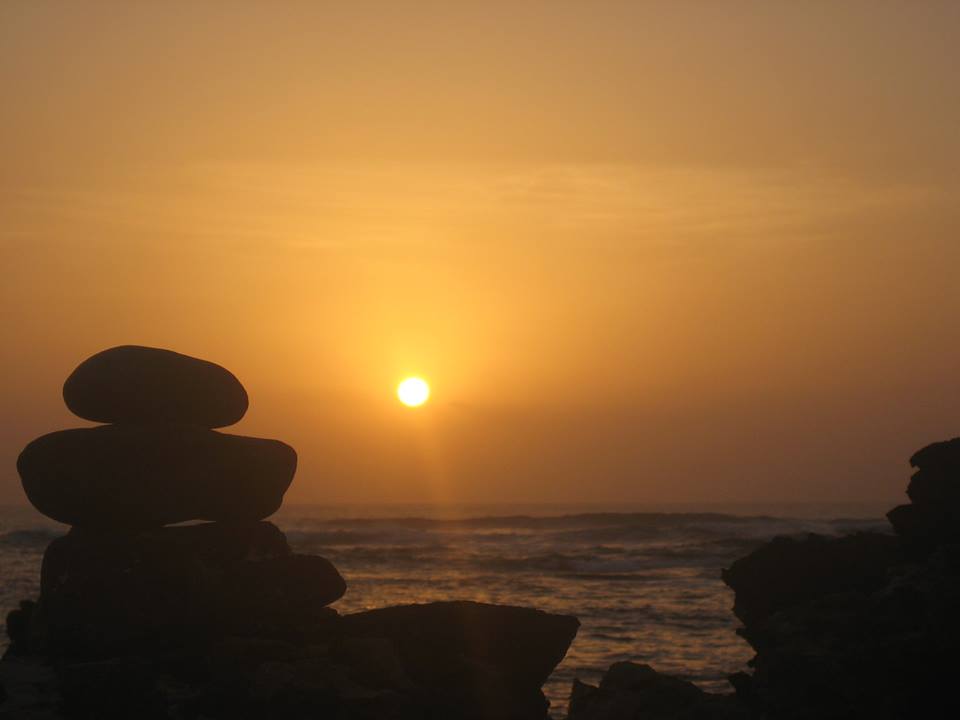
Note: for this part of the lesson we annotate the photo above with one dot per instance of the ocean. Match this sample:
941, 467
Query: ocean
645, 585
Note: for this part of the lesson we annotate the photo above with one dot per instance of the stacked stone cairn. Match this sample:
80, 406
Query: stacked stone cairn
120, 579
141, 617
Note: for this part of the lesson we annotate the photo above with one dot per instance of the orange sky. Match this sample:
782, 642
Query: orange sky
644, 252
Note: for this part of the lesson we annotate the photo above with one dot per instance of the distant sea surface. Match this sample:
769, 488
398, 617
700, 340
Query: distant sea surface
645, 585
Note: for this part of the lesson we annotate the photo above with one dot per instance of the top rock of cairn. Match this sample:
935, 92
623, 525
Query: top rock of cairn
133, 384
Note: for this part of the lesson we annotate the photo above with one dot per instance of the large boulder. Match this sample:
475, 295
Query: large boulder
133, 384
172, 587
139, 476
471, 659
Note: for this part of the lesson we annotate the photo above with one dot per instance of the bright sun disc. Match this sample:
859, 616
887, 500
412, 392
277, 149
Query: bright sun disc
413, 391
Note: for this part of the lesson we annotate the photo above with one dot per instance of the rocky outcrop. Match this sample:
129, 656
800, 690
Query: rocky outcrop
863, 626
932, 518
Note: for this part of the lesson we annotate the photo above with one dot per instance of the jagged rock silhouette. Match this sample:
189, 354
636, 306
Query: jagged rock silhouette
860, 626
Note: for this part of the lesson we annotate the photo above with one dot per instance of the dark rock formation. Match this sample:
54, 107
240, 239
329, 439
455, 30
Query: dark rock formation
787, 571
864, 626
18, 628
457, 660
629, 690
164, 587
933, 517
468, 653
133, 384
871, 651
141, 476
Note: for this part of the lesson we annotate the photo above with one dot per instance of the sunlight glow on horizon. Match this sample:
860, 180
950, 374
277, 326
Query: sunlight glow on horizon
637, 264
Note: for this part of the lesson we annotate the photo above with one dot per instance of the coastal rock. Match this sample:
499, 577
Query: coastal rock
134, 384
472, 659
114, 689
940, 457
527, 644
787, 571
136, 476
18, 629
629, 690
854, 627
933, 517
922, 528
175, 587
442, 660
29, 690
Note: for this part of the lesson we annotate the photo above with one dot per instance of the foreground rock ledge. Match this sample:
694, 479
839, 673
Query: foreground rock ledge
629, 690
450, 660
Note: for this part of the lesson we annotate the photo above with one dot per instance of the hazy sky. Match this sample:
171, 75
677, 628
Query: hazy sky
643, 251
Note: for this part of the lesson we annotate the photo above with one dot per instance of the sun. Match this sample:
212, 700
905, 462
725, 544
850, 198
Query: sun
413, 392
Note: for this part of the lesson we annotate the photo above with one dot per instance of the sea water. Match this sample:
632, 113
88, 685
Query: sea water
645, 585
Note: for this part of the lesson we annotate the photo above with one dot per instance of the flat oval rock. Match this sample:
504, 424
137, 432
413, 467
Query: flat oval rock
143, 476
134, 384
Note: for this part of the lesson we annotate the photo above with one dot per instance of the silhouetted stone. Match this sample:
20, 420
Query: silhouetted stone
115, 689
940, 457
280, 595
462, 661
850, 628
133, 384
787, 571
18, 627
472, 659
932, 487
887, 654
527, 644
933, 518
31, 689
145, 476
174, 587
213, 545
924, 527
629, 690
